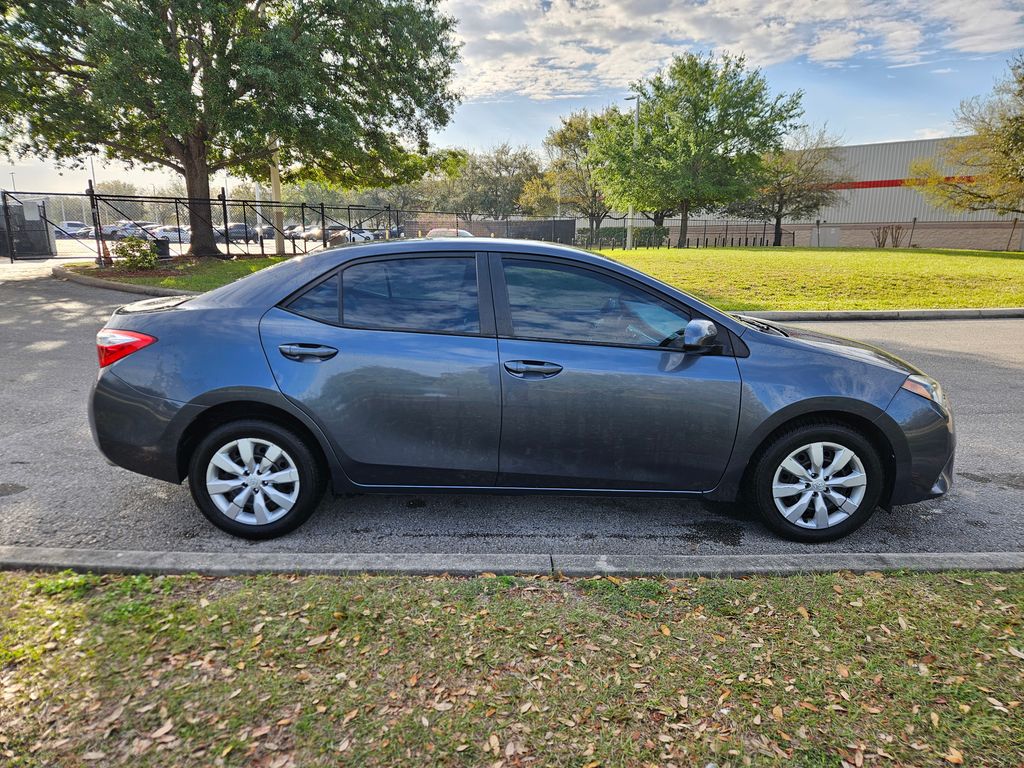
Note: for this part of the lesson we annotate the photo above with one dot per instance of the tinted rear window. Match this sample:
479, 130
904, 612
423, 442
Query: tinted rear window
320, 302
436, 294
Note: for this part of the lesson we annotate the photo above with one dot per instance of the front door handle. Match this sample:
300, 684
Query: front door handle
532, 369
307, 352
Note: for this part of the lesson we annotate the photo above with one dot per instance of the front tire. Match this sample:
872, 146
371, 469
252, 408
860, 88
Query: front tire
255, 479
817, 482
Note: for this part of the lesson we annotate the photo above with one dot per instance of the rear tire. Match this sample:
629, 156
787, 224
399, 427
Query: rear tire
817, 482
255, 479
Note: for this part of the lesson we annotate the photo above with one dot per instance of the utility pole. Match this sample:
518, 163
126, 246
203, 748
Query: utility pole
14, 187
275, 199
636, 136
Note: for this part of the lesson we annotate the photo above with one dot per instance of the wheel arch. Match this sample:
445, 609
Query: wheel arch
231, 409
860, 417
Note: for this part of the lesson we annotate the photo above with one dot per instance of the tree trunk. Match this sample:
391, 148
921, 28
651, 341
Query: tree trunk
592, 233
777, 241
659, 218
200, 212
684, 223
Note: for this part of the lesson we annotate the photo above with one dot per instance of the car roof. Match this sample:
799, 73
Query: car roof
271, 285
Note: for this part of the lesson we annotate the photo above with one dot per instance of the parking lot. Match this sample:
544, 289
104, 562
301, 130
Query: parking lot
56, 490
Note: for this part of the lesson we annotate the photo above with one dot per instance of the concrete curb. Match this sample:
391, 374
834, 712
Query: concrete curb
233, 563
891, 314
63, 273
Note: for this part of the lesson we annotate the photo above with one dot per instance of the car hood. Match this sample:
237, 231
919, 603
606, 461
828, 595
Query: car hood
848, 348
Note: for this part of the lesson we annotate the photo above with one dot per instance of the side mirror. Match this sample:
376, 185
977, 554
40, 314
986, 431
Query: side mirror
700, 336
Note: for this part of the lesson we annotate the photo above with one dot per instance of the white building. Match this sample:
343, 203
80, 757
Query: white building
880, 195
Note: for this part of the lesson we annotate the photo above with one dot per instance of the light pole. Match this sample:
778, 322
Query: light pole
636, 135
14, 187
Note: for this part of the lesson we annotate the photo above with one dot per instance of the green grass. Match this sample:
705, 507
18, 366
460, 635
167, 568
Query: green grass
896, 669
843, 278
201, 275
763, 278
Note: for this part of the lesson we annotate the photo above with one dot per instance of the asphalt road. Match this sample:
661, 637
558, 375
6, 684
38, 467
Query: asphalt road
57, 491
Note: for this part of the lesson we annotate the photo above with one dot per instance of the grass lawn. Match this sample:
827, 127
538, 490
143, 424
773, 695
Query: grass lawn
762, 278
844, 278
202, 275
893, 670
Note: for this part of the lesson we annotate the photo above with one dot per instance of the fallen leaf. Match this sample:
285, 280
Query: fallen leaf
94, 755
349, 716
318, 640
665, 630
163, 730
803, 612
954, 756
844, 671
777, 713
935, 719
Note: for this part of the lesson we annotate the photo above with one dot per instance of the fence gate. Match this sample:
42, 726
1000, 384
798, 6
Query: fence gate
25, 231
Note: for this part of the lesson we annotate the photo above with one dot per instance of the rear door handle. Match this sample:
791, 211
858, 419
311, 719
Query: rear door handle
532, 369
307, 352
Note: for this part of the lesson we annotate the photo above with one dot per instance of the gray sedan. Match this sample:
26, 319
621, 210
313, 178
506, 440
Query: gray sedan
505, 366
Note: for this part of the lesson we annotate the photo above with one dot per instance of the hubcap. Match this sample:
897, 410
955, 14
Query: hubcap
819, 485
252, 481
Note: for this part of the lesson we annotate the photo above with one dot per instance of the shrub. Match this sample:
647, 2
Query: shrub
135, 253
643, 236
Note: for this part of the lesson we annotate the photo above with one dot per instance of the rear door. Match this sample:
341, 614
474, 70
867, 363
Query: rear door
590, 398
396, 358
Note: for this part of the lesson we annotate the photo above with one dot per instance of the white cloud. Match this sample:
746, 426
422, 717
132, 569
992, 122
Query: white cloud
942, 71
554, 48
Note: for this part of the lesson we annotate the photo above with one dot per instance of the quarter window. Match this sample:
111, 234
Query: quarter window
564, 303
320, 302
436, 294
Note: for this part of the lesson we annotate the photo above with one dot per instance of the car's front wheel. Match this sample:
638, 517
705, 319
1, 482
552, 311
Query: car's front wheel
255, 479
818, 482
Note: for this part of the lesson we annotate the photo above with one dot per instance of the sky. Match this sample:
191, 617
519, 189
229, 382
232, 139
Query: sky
871, 70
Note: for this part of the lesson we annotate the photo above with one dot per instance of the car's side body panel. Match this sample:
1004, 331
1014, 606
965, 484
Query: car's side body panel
399, 408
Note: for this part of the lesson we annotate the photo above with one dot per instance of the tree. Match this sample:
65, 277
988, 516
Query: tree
984, 170
797, 181
568, 145
540, 195
342, 90
704, 124
500, 176
117, 187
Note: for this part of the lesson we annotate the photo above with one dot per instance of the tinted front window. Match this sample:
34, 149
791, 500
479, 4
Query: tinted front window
426, 294
551, 301
320, 302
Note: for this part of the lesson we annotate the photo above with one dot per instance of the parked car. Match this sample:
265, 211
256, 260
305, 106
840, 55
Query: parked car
173, 234
67, 229
293, 231
141, 230
444, 232
237, 233
532, 368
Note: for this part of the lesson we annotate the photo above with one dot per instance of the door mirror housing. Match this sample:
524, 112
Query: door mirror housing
700, 336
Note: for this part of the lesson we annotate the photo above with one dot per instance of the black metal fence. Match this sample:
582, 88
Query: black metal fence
40, 225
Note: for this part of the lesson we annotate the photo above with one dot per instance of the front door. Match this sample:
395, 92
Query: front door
395, 357
590, 398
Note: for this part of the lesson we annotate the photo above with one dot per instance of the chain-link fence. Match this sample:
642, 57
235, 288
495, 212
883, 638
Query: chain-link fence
39, 225
644, 232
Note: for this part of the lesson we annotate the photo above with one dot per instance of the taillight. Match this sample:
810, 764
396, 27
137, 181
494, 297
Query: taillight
113, 344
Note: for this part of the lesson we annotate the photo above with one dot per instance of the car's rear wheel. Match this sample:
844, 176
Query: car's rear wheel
255, 479
818, 482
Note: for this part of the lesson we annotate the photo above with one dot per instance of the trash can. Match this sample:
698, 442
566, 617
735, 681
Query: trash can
162, 248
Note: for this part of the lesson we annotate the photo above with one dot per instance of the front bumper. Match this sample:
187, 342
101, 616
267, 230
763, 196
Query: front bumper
137, 431
924, 470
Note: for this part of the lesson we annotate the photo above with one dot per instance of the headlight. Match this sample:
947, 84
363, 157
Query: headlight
926, 387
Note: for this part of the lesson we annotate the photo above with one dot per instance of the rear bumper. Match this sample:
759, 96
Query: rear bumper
136, 431
925, 470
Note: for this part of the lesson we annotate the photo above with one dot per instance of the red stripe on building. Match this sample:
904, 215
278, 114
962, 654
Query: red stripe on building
883, 183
